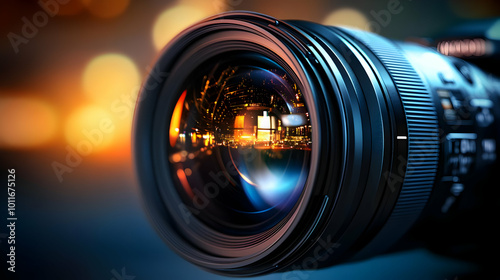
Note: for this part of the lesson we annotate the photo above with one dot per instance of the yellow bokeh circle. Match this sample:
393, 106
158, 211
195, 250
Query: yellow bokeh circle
26, 122
173, 20
348, 17
90, 129
110, 77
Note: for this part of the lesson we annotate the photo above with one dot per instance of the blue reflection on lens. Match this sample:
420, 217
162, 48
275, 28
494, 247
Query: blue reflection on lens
272, 183
294, 120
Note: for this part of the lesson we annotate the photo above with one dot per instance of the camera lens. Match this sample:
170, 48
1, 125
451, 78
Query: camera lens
264, 145
240, 143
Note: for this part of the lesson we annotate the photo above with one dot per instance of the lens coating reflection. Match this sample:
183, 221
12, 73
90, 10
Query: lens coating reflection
240, 143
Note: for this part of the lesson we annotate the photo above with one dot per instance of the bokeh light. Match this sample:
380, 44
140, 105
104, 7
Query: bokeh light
90, 129
173, 20
106, 8
211, 7
112, 81
26, 122
110, 77
347, 17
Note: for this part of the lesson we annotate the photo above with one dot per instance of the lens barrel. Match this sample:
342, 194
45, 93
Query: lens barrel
273, 145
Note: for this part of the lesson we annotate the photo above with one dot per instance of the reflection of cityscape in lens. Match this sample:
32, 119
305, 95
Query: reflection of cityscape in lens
247, 114
240, 138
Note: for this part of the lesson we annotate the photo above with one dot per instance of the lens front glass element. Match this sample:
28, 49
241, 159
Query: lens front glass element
240, 143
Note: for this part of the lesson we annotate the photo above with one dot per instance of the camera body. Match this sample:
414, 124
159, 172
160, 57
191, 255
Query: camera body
460, 226
276, 145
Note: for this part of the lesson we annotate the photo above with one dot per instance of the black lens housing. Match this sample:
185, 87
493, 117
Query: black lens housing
379, 141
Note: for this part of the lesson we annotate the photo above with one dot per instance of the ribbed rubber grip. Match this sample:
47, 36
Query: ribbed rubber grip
423, 135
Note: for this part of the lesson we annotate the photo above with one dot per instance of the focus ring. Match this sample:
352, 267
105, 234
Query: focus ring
423, 133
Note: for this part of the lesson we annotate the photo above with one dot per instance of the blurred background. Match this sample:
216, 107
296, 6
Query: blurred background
70, 74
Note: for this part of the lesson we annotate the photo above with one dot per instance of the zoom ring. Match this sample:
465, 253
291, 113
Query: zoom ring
423, 134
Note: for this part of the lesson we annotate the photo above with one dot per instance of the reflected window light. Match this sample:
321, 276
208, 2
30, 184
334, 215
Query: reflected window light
176, 120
